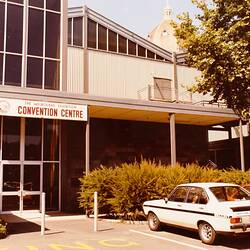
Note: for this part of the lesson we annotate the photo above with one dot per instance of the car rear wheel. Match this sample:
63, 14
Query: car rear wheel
153, 222
207, 233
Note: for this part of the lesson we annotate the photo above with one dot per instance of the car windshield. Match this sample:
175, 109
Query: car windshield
229, 193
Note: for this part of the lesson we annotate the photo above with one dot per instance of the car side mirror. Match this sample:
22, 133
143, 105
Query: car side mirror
166, 200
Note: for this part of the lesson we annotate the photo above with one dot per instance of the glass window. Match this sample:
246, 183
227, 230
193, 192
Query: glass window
31, 178
16, 1
14, 28
33, 139
52, 35
34, 72
51, 185
35, 35
53, 5
159, 57
2, 16
11, 138
11, 177
122, 44
52, 75
102, 37
77, 31
37, 3
112, 37
51, 140
70, 31
150, 54
91, 34
197, 195
1, 68
229, 193
141, 51
131, 48
10, 203
13, 70
179, 194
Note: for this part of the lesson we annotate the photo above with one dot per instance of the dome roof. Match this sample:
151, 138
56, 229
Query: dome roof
163, 34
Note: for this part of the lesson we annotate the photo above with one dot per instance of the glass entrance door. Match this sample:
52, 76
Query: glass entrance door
29, 164
21, 187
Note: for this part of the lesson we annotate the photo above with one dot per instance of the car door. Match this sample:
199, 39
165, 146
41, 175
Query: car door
196, 207
174, 206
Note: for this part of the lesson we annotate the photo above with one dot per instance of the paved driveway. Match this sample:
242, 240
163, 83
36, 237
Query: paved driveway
79, 234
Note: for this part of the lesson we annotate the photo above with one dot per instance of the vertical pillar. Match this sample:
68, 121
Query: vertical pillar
242, 157
172, 138
87, 143
175, 79
86, 54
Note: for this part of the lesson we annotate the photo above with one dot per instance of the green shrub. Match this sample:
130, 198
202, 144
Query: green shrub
123, 189
100, 181
3, 229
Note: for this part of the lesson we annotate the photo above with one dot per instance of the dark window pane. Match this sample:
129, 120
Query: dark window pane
159, 57
51, 140
11, 177
102, 37
1, 68
34, 72
16, 1
31, 202
70, 31
150, 54
77, 31
31, 178
52, 35
141, 51
52, 75
35, 40
91, 34
2, 15
33, 139
14, 28
51, 185
37, 3
131, 48
53, 5
122, 41
11, 203
11, 138
13, 70
179, 194
112, 41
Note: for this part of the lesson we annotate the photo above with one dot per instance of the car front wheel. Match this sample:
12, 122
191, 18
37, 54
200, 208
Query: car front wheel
153, 222
207, 233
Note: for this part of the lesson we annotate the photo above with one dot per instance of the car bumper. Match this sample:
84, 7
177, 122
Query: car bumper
243, 226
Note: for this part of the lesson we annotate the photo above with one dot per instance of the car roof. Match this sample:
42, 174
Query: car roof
207, 184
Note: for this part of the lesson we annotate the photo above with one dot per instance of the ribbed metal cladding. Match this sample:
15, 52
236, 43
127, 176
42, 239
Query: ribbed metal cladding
75, 72
122, 76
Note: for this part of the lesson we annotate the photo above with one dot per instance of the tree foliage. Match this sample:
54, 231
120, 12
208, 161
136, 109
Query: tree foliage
218, 46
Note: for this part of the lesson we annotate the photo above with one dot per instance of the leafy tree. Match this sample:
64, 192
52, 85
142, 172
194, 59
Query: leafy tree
218, 46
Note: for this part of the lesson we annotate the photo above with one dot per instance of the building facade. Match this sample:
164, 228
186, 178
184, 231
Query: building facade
79, 91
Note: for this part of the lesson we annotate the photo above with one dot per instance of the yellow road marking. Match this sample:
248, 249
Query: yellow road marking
32, 248
76, 246
117, 243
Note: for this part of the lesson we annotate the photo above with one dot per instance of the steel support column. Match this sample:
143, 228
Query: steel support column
172, 138
87, 144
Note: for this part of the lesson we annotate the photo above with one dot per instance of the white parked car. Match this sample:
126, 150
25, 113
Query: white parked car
210, 208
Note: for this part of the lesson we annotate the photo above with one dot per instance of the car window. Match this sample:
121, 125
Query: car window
179, 194
229, 193
197, 195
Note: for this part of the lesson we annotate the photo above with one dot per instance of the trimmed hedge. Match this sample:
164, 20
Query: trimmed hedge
3, 229
123, 189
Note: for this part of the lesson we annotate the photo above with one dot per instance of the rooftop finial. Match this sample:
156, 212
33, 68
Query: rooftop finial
168, 11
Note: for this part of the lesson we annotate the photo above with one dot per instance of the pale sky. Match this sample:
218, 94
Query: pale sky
139, 16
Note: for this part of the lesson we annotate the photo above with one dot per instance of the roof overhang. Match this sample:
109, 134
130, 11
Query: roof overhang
128, 109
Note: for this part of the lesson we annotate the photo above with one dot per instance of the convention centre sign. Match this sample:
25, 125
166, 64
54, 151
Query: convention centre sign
41, 109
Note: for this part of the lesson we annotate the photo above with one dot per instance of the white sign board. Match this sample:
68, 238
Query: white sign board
40, 109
